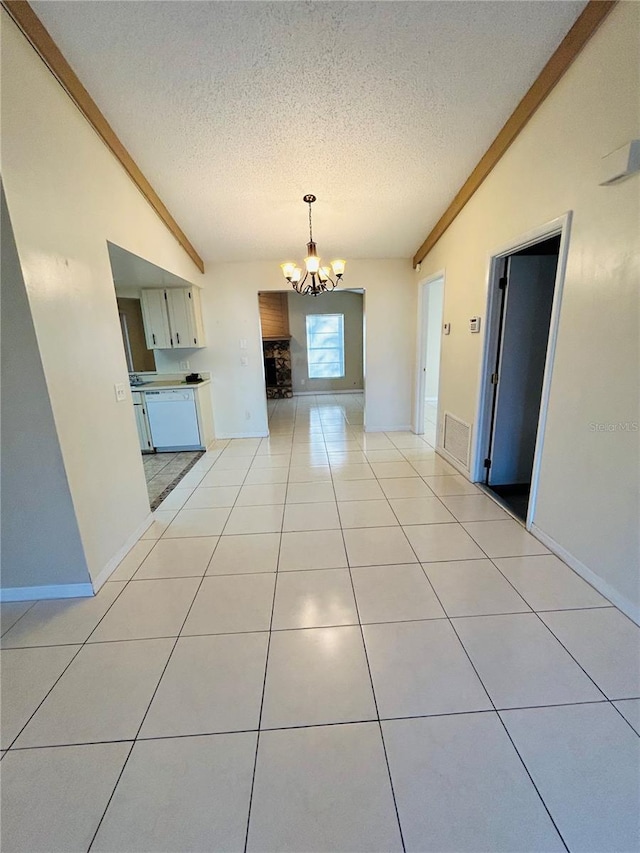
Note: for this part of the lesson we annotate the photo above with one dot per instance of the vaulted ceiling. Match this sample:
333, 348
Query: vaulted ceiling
235, 110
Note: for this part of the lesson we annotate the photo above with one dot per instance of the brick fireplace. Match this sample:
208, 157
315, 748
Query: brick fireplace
277, 368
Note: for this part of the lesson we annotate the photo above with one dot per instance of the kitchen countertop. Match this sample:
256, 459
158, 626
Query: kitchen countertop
168, 385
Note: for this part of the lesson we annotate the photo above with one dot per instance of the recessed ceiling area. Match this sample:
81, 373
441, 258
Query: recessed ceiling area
235, 110
132, 271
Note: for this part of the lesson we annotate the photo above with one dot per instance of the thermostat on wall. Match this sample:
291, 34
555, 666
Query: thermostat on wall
474, 324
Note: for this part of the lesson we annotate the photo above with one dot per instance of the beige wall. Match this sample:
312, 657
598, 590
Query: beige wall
67, 195
349, 304
41, 543
589, 480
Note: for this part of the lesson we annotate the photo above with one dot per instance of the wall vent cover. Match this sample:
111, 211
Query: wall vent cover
457, 438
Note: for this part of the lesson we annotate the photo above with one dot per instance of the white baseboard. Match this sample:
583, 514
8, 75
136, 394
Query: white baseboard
58, 590
119, 556
390, 428
326, 393
228, 435
622, 603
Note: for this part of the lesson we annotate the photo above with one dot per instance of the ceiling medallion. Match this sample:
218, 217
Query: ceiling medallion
316, 278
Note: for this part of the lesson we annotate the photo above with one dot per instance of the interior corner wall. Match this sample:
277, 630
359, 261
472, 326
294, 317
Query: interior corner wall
346, 303
231, 315
67, 195
588, 498
40, 538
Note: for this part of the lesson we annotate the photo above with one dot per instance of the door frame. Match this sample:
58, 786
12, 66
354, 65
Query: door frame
421, 347
560, 226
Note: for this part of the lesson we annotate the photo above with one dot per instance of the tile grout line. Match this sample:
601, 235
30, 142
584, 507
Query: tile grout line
264, 683
153, 695
148, 738
373, 692
314, 627
537, 614
495, 710
80, 648
22, 615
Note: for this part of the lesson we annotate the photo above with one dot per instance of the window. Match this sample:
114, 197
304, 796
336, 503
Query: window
325, 346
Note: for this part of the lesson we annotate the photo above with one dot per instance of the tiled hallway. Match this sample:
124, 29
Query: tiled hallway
328, 641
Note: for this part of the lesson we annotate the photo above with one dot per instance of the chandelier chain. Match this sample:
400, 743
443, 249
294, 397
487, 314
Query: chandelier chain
310, 231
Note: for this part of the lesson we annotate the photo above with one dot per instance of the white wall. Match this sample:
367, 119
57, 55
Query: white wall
435, 301
230, 307
351, 306
40, 538
67, 195
588, 493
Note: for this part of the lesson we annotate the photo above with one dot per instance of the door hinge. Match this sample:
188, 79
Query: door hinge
503, 282
487, 463
494, 378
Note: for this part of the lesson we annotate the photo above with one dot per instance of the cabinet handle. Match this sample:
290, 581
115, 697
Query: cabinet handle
178, 337
154, 337
195, 341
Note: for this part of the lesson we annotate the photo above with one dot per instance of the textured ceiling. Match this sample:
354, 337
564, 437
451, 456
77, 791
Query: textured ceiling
234, 110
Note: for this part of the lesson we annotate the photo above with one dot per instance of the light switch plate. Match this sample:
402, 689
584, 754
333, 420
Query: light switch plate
446, 329
121, 392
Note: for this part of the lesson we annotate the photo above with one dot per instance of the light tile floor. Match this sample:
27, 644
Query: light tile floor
327, 641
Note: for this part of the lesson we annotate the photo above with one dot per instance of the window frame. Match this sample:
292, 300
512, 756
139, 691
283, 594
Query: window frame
309, 321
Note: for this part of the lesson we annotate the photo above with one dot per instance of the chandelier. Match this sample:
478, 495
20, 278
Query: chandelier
316, 278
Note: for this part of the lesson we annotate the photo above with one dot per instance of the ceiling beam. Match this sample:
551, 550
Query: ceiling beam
585, 26
35, 32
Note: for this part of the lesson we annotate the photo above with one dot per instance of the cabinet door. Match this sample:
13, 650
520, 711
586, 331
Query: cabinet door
197, 324
180, 317
155, 319
144, 435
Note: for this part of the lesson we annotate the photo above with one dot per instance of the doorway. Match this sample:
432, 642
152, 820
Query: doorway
430, 342
522, 320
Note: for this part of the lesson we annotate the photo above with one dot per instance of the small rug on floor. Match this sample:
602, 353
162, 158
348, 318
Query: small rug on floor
155, 503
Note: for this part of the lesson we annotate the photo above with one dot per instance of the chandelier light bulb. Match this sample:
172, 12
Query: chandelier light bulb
288, 270
312, 264
338, 268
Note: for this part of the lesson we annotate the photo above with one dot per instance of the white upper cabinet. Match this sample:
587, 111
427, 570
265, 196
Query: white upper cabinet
172, 318
180, 318
155, 319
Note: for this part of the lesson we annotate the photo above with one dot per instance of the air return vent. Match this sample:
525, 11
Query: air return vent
457, 438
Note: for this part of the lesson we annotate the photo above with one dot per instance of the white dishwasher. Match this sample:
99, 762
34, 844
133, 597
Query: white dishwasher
173, 420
